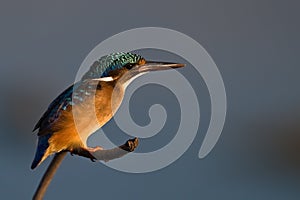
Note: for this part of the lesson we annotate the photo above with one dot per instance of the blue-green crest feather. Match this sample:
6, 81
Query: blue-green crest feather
105, 64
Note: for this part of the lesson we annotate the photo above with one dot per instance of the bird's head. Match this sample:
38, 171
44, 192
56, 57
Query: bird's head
126, 65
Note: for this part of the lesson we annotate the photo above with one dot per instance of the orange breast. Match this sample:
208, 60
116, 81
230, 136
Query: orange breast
78, 123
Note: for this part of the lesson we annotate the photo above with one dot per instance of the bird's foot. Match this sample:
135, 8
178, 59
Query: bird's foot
86, 152
93, 150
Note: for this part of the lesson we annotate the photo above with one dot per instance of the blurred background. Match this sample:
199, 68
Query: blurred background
255, 45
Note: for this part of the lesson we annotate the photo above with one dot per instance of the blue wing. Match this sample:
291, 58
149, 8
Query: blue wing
53, 111
74, 94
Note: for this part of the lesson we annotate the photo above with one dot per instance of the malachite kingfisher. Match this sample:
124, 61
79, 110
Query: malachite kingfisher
90, 100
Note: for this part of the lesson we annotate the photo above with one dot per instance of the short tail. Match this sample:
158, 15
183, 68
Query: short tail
41, 150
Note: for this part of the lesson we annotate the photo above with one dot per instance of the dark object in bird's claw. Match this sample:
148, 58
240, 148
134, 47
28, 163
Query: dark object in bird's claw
131, 144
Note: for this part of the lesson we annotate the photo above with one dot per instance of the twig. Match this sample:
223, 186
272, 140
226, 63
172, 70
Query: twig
105, 155
44, 183
117, 152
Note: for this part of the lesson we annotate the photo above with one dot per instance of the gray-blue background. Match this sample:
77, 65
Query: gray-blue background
256, 47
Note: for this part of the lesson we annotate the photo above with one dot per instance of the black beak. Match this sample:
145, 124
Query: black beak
157, 66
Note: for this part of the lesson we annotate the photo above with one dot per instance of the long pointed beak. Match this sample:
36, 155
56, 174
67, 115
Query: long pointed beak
148, 67
157, 66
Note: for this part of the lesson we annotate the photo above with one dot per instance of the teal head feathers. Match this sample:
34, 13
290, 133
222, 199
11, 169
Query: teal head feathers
111, 62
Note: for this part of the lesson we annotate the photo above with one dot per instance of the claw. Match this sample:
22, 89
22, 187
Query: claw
86, 152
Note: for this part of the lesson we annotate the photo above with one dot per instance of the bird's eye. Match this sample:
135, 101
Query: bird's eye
129, 65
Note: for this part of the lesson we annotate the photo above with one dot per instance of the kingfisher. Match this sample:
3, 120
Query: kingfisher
88, 104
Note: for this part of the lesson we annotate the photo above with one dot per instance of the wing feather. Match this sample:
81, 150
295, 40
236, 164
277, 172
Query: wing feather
75, 94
